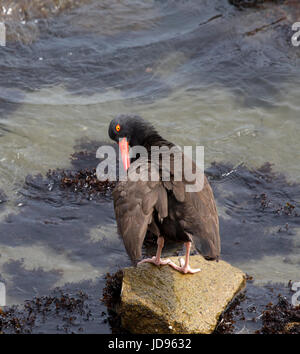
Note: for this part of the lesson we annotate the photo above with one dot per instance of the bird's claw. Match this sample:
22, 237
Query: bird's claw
183, 268
155, 261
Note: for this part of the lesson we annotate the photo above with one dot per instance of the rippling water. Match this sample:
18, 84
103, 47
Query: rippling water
205, 74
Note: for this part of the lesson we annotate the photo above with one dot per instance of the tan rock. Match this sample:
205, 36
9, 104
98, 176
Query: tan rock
162, 300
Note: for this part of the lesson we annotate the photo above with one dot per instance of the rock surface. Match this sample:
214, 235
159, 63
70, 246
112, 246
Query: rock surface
19, 16
162, 300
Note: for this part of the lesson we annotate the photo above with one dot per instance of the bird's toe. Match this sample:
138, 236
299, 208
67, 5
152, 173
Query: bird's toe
147, 260
183, 268
155, 261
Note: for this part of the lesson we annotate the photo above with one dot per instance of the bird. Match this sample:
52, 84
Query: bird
162, 207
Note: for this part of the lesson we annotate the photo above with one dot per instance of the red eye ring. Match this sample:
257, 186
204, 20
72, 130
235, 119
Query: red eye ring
118, 127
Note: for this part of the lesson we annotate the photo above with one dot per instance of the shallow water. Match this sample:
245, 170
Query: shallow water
202, 75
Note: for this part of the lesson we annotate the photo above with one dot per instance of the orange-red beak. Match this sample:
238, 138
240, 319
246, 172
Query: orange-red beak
124, 148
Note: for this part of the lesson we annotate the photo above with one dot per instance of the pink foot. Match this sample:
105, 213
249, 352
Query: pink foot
182, 268
155, 261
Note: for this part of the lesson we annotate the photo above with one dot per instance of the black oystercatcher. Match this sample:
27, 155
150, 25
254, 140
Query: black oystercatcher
163, 208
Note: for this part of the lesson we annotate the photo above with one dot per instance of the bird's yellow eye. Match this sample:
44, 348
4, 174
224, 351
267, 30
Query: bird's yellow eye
118, 127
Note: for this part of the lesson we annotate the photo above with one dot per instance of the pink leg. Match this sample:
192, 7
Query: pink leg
156, 259
184, 265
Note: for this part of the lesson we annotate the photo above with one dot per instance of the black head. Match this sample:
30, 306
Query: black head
132, 127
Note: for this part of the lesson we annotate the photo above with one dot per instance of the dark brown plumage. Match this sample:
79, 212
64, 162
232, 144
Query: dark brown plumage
164, 208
